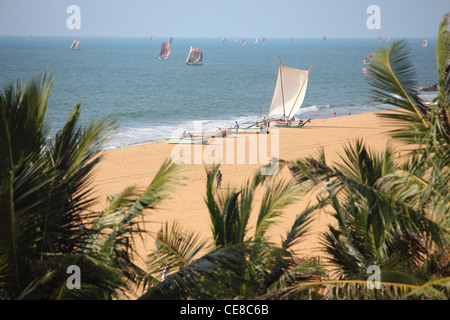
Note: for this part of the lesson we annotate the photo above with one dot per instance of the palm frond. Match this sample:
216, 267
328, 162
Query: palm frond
209, 277
175, 248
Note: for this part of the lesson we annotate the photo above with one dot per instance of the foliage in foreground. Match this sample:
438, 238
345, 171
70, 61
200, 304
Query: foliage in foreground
46, 224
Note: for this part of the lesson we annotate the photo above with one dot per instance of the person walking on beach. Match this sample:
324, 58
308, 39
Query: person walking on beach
219, 180
165, 273
236, 126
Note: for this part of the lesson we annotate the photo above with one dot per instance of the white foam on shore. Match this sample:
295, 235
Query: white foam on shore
131, 136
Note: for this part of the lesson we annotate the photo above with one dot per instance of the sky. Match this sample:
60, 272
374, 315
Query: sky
225, 18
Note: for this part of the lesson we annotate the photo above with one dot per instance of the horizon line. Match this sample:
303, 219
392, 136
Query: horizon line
219, 37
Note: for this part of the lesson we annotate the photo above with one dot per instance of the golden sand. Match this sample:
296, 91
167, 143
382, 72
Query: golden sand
137, 165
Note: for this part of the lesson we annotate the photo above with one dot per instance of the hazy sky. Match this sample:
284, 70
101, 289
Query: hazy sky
225, 18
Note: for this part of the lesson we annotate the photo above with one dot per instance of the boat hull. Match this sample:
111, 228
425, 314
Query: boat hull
289, 124
195, 140
251, 130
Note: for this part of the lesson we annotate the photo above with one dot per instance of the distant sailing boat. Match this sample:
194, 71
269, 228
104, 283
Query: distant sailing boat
288, 96
324, 38
151, 38
195, 56
424, 43
224, 40
243, 41
75, 44
387, 39
292, 39
165, 51
264, 40
255, 41
170, 40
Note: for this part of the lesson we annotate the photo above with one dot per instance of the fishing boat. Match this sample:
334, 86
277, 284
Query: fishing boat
291, 123
424, 43
220, 133
165, 51
195, 56
288, 96
75, 44
189, 140
254, 128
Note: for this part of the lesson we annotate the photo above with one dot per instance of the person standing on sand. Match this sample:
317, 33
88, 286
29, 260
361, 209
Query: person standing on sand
165, 273
236, 126
219, 180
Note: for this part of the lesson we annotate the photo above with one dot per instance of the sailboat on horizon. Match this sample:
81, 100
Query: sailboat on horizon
288, 96
165, 51
75, 44
195, 56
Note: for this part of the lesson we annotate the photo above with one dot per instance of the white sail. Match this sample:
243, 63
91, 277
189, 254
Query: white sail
290, 91
195, 56
75, 44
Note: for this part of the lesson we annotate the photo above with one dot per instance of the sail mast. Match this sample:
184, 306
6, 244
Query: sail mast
281, 82
300, 90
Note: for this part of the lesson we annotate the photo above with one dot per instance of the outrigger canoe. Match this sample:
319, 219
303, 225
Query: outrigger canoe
250, 130
289, 124
189, 140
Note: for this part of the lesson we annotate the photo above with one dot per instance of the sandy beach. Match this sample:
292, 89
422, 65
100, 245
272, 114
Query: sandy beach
137, 165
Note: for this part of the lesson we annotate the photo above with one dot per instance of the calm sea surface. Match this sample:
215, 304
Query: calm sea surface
150, 98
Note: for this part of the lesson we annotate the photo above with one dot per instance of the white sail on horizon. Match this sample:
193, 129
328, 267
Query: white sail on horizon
75, 44
195, 56
289, 93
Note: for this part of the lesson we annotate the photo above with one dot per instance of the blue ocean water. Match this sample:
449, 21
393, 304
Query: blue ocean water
150, 98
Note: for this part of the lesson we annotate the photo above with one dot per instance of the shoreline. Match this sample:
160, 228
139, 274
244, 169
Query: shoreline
163, 141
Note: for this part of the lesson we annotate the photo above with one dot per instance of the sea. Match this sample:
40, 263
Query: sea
149, 98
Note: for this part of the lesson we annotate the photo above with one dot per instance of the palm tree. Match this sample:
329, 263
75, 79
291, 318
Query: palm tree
389, 215
45, 195
238, 263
